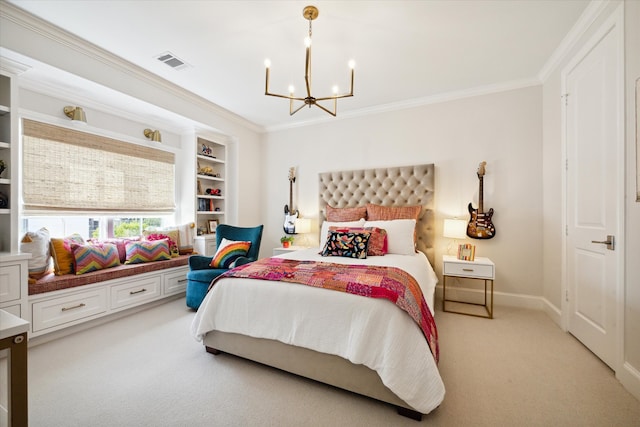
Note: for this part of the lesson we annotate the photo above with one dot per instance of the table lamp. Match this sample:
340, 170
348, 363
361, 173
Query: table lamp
454, 229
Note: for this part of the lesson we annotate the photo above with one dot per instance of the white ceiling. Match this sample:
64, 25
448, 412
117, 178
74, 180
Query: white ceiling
406, 52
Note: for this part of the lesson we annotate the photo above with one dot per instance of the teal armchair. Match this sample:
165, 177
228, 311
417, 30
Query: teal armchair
201, 274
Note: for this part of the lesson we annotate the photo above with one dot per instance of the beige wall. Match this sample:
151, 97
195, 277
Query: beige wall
503, 129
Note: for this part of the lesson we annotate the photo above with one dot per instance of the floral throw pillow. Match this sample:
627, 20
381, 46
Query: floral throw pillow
377, 242
346, 244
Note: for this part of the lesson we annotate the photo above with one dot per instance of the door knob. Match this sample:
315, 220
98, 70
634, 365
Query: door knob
610, 242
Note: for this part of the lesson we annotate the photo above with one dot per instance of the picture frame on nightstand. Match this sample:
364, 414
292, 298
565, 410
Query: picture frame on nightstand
466, 252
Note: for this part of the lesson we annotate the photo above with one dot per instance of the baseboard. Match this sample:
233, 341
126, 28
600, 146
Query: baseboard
501, 298
629, 377
553, 312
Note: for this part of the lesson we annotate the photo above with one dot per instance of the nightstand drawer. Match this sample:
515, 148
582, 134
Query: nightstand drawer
473, 270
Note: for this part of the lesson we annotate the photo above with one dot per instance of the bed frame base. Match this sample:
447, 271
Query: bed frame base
325, 368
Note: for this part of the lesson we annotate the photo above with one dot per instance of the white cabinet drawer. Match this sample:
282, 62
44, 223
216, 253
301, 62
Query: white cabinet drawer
135, 292
469, 269
175, 283
67, 309
10, 282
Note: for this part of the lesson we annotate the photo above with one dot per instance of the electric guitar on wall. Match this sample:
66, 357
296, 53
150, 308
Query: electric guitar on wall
290, 214
480, 225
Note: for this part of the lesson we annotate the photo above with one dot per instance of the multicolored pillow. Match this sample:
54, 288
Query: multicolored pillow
94, 257
146, 251
348, 245
228, 252
172, 237
378, 245
345, 214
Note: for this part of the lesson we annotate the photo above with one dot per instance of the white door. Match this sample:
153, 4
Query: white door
593, 140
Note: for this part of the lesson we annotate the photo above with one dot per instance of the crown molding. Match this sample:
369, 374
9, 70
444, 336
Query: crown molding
96, 53
416, 103
588, 17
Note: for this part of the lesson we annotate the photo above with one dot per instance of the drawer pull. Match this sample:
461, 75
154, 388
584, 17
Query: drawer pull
75, 306
138, 292
467, 269
182, 280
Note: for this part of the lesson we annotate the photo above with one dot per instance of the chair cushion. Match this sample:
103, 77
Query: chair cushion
205, 276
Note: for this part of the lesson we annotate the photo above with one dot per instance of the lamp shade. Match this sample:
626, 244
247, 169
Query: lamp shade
303, 226
455, 228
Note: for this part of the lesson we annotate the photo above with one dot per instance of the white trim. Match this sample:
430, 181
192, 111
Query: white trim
506, 299
93, 52
414, 103
630, 379
588, 17
553, 312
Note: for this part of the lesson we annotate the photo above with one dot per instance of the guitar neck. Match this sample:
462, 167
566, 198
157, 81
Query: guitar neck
291, 196
480, 197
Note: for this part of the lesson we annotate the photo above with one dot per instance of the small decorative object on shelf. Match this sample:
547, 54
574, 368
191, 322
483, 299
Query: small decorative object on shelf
214, 191
213, 224
286, 241
4, 201
207, 151
466, 252
3, 166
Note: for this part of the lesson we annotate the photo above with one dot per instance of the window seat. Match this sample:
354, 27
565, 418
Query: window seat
62, 304
51, 282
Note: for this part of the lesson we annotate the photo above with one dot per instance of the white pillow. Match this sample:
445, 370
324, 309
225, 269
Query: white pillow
400, 234
325, 227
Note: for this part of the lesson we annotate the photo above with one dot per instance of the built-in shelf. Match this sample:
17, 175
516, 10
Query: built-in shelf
5, 181
210, 174
4, 144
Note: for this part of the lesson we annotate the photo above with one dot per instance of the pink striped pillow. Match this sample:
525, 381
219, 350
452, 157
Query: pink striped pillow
94, 257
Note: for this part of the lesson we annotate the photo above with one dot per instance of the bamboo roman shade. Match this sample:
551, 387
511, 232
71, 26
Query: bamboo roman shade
69, 170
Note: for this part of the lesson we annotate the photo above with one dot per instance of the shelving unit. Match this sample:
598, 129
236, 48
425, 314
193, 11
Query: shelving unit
8, 191
211, 190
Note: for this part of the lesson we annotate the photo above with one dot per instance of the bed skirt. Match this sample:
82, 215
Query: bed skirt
326, 368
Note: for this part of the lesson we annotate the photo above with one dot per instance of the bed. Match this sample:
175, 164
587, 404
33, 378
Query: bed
364, 345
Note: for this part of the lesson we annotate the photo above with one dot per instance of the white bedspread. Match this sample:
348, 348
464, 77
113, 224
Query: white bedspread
368, 331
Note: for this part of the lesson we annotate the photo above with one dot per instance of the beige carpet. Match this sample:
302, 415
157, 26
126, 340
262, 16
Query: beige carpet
518, 369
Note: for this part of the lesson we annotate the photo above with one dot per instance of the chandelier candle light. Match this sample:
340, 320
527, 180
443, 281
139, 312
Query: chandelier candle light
310, 13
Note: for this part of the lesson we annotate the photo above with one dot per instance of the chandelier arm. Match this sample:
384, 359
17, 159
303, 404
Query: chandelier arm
292, 111
295, 98
333, 113
326, 98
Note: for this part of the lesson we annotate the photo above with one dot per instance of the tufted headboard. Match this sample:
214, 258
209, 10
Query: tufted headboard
396, 186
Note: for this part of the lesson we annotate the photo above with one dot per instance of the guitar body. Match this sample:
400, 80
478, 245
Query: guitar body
289, 220
480, 225
290, 215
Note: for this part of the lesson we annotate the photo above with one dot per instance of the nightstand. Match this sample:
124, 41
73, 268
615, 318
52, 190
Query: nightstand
478, 269
281, 250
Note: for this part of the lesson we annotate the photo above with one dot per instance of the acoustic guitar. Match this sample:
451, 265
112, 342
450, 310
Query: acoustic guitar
290, 214
480, 225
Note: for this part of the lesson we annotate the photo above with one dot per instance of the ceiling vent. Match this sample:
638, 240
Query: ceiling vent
172, 61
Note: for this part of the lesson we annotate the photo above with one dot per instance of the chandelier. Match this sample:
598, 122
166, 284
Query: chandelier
310, 13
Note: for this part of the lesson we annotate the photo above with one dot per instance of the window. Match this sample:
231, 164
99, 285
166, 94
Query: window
65, 170
93, 227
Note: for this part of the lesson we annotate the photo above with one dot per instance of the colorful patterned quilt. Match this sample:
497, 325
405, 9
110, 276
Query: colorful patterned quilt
390, 283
